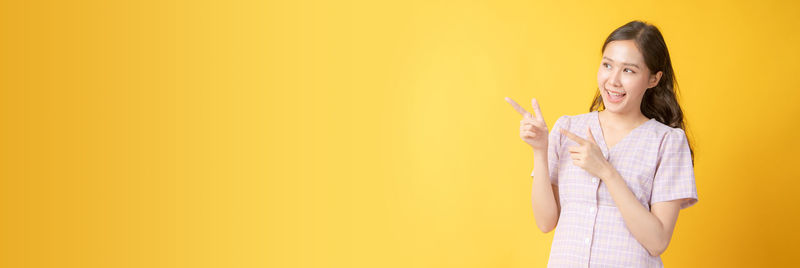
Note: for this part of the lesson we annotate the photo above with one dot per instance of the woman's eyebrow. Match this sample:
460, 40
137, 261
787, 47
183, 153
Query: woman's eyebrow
624, 63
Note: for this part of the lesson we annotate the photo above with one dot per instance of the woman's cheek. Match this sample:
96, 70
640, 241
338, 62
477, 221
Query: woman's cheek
601, 78
630, 83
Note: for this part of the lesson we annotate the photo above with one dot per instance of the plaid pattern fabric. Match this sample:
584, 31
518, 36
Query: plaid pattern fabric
654, 160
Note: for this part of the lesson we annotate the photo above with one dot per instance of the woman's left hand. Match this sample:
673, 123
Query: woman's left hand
588, 155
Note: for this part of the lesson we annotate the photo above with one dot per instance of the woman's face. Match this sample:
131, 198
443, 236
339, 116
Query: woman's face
623, 77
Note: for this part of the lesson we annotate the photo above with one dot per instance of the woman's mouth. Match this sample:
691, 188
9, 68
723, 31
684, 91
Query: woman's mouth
615, 96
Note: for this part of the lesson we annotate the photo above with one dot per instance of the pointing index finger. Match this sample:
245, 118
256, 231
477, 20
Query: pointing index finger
572, 136
536, 109
516, 106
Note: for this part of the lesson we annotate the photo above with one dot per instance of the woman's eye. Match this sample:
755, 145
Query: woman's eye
606, 65
626, 69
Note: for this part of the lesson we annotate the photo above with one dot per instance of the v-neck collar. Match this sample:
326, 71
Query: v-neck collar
601, 140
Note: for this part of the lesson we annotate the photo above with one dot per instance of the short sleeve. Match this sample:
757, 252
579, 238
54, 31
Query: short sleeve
553, 147
674, 176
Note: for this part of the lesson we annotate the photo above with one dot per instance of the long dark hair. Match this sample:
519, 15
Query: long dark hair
659, 102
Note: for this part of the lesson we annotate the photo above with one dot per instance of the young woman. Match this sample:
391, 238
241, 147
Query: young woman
612, 181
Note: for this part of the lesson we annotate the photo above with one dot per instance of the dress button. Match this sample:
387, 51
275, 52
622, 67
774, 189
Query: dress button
587, 240
594, 180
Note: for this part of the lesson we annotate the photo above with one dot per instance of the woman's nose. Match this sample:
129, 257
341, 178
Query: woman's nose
614, 78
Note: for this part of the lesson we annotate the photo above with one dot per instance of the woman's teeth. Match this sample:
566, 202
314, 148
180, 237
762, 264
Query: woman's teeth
615, 97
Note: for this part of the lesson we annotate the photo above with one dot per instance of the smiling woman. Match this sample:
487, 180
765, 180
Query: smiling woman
613, 195
638, 52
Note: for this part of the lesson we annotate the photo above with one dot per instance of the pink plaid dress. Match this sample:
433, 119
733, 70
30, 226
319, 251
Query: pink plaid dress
654, 160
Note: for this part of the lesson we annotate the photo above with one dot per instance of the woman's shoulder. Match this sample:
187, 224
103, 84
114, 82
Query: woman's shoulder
568, 120
663, 131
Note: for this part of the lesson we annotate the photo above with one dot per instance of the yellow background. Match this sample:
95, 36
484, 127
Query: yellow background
363, 133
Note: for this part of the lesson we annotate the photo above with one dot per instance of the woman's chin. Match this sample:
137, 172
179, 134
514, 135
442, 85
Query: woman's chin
613, 107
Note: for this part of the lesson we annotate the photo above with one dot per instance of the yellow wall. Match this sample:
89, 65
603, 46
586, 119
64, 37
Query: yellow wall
363, 133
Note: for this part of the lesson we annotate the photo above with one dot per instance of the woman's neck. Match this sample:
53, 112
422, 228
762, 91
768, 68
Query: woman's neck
622, 120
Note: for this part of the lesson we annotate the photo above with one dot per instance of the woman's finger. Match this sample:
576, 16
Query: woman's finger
527, 121
528, 126
524, 128
519, 109
590, 137
573, 137
536, 109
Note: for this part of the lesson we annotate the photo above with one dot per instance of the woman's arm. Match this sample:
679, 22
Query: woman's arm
533, 130
546, 207
653, 229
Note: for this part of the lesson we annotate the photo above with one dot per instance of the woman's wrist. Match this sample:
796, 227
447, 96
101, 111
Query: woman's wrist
540, 151
609, 173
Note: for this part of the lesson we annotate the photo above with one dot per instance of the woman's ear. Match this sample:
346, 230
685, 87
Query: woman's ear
654, 78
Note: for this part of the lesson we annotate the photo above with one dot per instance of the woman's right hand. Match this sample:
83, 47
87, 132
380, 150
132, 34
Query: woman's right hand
532, 129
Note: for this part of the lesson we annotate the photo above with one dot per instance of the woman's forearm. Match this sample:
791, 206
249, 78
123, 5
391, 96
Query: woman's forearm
643, 225
545, 206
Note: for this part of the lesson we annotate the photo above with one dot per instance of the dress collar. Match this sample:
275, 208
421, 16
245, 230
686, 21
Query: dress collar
599, 137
